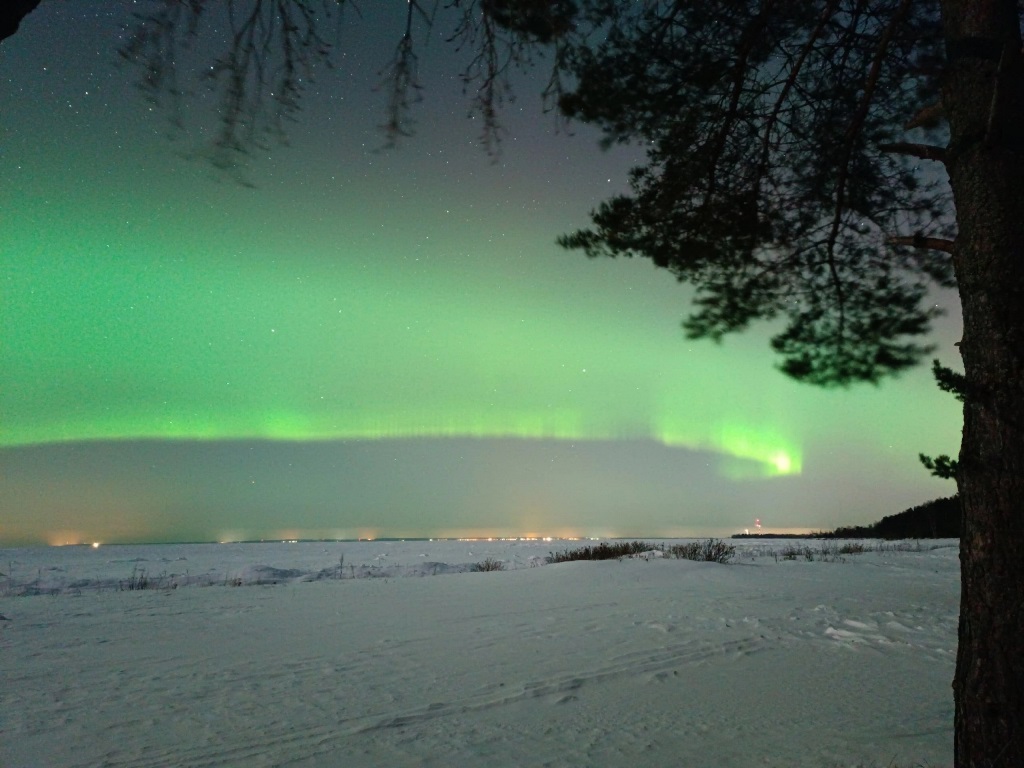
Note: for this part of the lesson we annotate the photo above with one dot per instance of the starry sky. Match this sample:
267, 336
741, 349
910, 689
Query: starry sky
365, 341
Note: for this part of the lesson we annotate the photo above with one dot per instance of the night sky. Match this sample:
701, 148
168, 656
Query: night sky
378, 342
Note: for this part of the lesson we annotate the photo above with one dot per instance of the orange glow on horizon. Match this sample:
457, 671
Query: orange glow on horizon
65, 538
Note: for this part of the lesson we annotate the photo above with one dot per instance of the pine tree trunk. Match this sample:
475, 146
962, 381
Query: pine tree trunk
983, 97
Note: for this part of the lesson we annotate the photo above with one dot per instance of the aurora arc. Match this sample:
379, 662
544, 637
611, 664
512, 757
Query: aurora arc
288, 349
296, 380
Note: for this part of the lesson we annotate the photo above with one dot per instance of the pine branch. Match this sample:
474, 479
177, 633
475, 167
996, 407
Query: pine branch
940, 466
949, 380
924, 151
921, 241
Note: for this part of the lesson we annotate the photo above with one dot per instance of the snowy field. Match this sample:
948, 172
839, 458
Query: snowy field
398, 654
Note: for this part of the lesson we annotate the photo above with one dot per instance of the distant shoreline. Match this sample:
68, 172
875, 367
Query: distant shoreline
391, 539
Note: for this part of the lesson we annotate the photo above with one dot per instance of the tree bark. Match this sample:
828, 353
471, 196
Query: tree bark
12, 14
983, 98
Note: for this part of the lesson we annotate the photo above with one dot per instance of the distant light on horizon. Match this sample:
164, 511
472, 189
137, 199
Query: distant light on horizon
526, 537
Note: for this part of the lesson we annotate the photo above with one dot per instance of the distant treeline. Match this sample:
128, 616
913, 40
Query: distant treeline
939, 519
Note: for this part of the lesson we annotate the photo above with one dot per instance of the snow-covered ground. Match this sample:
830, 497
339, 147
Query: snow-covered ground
763, 662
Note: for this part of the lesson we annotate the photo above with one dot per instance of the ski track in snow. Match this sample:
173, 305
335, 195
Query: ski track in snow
763, 662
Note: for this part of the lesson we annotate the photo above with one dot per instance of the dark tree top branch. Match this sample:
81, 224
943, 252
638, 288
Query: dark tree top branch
774, 184
12, 13
276, 48
920, 241
923, 151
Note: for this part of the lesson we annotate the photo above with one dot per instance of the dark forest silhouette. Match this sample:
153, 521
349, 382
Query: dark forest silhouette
938, 519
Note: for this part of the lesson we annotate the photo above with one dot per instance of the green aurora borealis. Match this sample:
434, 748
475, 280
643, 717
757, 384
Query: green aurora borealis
385, 343
298, 352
